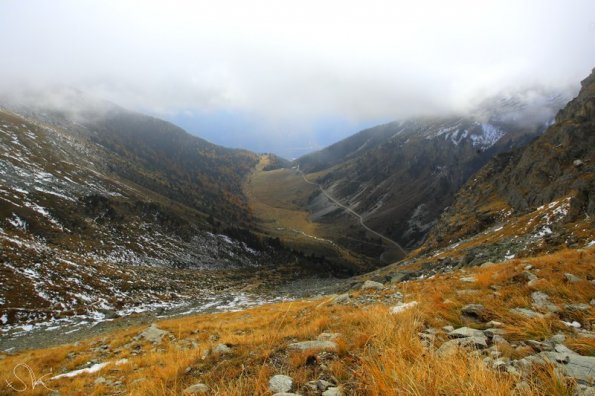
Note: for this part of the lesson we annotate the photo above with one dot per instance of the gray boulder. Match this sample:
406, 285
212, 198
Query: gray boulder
473, 310
341, 299
571, 278
581, 368
153, 334
315, 345
222, 349
463, 332
372, 285
541, 301
280, 383
530, 276
334, 391
526, 313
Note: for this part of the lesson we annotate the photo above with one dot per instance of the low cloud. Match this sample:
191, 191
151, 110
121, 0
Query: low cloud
292, 63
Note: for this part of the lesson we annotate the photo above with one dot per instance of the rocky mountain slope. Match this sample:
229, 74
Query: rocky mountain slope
90, 194
487, 330
400, 176
537, 197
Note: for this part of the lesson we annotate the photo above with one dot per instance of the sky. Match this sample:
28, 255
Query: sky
293, 76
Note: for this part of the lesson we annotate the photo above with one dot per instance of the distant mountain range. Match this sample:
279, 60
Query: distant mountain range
400, 176
90, 191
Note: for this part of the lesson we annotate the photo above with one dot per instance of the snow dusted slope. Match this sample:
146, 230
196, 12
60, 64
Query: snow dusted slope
539, 197
77, 239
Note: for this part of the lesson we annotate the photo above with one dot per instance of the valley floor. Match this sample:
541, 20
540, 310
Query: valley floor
523, 326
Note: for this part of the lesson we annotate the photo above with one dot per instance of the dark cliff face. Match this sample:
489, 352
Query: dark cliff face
559, 164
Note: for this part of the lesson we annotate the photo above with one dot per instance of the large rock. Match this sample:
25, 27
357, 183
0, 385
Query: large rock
526, 313
222, 349
153, 334
334, 391
582, 368
341, 299
372, 285
475, 311
491, 333
463, 332
280, 383
399, 277
571, 278
541, 301
315, 345
450, 348
196, 389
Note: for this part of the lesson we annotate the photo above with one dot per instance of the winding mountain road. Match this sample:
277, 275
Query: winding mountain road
352, 212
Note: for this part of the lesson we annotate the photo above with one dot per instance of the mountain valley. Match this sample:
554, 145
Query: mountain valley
137, 259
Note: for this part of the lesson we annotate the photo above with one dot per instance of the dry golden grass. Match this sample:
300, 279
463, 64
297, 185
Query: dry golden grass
379, 353
277, 198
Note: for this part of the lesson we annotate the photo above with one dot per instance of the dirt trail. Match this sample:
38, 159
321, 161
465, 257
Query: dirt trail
352, 212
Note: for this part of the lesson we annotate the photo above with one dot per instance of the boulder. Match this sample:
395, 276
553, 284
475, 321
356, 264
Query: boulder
473, 342
334, 391
540, 346
581, 368
541, 301
529, 276
341, 299
318, 386
280, 383
526, 313
571, 278
450, 348
500, 341
473, 310
153, 334
222, 349
372, 285
557, 339
491, 333
399, 277
316, 345
462, 332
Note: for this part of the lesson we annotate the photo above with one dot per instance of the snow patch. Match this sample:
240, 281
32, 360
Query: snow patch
17, 222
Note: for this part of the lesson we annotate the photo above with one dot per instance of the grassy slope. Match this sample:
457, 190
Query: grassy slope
378, 353
278, 198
